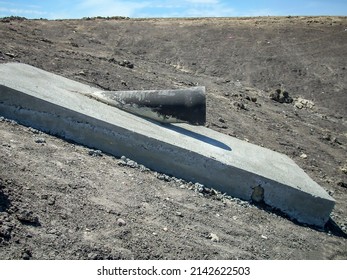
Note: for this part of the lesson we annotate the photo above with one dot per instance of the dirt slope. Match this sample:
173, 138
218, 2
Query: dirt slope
59, 200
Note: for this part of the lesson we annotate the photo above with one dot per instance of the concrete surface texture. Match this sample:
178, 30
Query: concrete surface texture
59, 106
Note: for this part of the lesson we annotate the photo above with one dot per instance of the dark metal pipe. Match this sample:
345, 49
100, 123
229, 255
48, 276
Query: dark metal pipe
167, 106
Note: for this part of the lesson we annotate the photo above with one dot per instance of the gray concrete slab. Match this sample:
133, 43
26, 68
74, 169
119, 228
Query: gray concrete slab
58, 106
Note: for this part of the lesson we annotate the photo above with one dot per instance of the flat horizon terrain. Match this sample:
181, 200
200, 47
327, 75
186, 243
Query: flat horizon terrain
277, 82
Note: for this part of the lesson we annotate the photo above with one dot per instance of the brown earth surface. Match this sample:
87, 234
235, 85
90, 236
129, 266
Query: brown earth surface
61, 200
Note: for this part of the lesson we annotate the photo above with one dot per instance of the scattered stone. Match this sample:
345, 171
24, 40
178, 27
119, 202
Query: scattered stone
214, 237
220, 119
5, 232
51, 200
331, 192
163, 177
12, 122
281, 96
124, 161
264, 237
46, 40
344, 169
303, 156
33, 130
93, 256
26, 254
301, 103
126, 63
165, 229
28, 217
240, 105
132, 164
40, 140
327, 137
12, 55
179, 214
143, 168
249, 98
95, 153
342, 184
337, 141
121, 222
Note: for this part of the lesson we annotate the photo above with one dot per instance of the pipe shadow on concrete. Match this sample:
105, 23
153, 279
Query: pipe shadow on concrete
197, 136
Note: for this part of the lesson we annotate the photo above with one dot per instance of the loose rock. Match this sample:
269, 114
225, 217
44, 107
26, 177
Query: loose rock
163, 177
33, 130
179, 214
303, 156
95, 153
214, 237
40, 140
344, 169
126, 63
281, 96
121, 222
5, 232
28, 217
264, 237
26, 254
301, 103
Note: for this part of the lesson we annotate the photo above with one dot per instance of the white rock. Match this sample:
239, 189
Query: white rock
214, 237
304, 156
121, 222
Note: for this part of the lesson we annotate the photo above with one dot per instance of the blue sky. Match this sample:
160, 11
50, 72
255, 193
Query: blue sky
62, 9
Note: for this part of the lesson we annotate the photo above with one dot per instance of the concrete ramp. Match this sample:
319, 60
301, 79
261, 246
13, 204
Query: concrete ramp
58, 106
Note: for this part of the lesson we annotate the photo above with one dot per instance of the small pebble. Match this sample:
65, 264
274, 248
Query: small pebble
95, 153
179, 214
33, 130
214, 237
263, 236
303, 156
40, 140
121, 222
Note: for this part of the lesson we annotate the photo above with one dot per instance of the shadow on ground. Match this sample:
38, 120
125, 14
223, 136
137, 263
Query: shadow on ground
4, 201
330, 227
